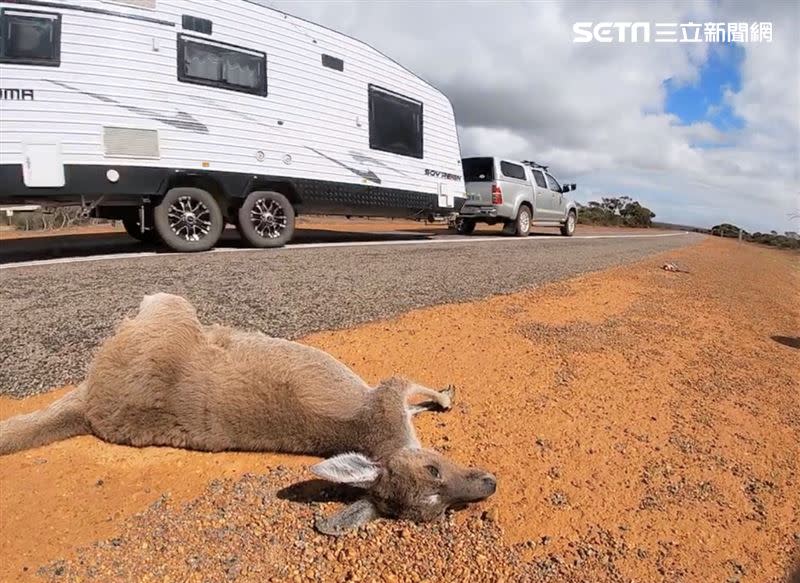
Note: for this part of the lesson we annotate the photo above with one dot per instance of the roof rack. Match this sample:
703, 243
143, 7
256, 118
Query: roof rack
533, 164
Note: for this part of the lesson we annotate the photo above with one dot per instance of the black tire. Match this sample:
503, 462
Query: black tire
568, 228
188, 219
465, 226
522, 224
133, 229
266, 219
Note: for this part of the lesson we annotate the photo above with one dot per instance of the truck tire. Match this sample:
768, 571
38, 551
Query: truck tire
188, 219
568, 228
522, 224
266, 219
465, 226
133, 229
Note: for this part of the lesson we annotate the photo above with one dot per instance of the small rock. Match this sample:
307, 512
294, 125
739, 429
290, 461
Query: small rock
491, 514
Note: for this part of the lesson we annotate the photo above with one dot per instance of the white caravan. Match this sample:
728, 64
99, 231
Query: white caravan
177, 116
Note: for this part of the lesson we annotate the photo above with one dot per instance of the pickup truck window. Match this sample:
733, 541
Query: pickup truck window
512, 170
554, 186
539, 177
478, 169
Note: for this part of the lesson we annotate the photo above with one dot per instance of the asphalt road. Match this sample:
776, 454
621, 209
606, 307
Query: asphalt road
108, 244
55, 315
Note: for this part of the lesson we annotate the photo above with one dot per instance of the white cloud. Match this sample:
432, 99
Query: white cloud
595, 112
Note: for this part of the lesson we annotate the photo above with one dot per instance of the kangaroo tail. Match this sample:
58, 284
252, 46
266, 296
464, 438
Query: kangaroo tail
62, 419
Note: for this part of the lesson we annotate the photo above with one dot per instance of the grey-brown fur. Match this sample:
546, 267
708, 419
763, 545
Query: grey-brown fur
165, 379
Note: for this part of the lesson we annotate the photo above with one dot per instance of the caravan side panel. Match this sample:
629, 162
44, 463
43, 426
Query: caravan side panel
119, 99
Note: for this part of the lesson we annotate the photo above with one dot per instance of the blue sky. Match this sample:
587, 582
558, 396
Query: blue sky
703, 100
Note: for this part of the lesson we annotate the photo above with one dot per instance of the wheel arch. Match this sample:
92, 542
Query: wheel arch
203, 181
522, 200
285, 187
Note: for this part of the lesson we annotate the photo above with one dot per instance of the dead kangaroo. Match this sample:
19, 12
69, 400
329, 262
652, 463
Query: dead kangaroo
165, 379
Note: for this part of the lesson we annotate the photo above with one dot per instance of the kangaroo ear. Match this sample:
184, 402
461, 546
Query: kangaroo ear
348, 518
348, 468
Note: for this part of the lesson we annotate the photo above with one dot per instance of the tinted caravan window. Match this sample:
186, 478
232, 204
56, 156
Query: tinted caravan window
478, 169
395, 123
30, 38
224, 66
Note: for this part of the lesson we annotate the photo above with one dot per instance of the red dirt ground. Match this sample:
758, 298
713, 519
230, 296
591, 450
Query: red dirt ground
660, 408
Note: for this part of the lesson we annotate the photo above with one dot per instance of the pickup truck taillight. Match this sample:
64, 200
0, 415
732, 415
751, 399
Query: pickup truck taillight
497, 194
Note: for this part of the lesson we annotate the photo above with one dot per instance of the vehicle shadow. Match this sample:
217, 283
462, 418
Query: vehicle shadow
790, 341
311, 491
38, 248
497, 233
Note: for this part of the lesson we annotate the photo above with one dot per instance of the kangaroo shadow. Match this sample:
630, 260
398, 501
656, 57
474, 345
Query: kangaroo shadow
794, 576
790, 341
311, 491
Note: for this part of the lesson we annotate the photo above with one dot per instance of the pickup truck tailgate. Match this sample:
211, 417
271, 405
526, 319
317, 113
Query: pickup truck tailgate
479, 193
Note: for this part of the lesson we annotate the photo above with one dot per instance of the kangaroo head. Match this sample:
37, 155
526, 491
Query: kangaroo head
414, 484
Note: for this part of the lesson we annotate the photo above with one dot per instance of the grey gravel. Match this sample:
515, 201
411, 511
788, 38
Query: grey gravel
55, 315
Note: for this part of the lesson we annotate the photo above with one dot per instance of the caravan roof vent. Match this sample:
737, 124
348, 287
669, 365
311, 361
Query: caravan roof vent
196, 24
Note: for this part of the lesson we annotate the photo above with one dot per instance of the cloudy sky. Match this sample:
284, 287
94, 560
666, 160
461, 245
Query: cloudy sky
700, 132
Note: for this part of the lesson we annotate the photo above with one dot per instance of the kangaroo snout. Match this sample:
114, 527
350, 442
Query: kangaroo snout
476, 485
488, 485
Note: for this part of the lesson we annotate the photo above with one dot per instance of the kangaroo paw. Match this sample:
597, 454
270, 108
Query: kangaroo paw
446, 397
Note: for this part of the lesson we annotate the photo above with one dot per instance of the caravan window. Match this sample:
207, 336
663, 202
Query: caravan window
221, 65
30, 38
395, 123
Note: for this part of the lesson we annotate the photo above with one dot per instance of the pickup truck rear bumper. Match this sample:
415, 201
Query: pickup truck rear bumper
478, 212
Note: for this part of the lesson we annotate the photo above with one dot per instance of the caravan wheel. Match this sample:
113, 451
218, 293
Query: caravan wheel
189, 219
266, 219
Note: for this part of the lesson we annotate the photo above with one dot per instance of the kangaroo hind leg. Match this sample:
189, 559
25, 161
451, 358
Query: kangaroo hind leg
62, 419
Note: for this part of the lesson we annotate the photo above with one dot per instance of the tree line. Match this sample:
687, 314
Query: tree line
788, 240
615, 211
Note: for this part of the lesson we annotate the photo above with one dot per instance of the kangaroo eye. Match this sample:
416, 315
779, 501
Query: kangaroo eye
433, 471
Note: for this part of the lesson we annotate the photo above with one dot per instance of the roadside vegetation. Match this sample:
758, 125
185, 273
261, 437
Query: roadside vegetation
47, 219
788, 240
620, 211
623, 211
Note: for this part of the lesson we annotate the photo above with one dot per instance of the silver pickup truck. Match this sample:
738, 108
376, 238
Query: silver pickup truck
517, 194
